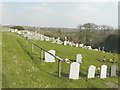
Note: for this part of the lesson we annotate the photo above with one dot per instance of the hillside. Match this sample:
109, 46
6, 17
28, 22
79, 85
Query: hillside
0, 58
22, 69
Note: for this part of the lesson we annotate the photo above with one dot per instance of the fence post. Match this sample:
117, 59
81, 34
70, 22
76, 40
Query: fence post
37, 54
32, 47
59, 68
27, 40
41, 54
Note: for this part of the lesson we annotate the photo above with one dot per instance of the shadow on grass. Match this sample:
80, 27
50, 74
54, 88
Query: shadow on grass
65, 75
4, 82
82, 74
41, 59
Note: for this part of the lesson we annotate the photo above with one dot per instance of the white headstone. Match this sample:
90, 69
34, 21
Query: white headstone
54, 41
103, 48
95, 49
103, 71
89, 47
79, 58
48, 57
74, 70
47, 39
73, 44
65, 38
81, 45
76, 44
58, 38
70, 43
16, 30
19, 32
42, 38
91, 71
65, 43
99, 48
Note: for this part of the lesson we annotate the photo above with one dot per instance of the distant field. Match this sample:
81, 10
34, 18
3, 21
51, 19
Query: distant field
22, 69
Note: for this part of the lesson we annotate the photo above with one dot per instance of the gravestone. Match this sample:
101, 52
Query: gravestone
79, 58
103, 48
58, 41
96, 49
91, 71
113, 70
103, 71
47, 38
99, 48
65, 38
89, 47
48, 57
16, 30
76, 44
53, 40
74, 70
42, 37
81, 45
70, 43
58, 38
65, 42
19, 32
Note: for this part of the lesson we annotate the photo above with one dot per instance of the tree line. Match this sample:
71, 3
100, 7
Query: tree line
88, 34
100, 36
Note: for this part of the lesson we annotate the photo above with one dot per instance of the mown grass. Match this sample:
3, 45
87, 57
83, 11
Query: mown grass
0, 58
22, 68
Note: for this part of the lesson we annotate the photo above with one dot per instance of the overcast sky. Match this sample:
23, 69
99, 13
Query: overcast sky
59, 14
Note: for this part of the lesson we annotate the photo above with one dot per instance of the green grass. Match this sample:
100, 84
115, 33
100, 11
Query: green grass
22, 69
0, 58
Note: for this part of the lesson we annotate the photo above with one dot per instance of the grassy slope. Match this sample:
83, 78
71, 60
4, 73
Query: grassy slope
0, 58
21, 68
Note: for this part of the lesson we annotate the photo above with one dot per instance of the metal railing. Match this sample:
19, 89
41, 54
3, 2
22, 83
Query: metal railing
41, 56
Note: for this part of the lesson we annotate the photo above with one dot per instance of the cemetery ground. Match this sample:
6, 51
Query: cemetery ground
23, 69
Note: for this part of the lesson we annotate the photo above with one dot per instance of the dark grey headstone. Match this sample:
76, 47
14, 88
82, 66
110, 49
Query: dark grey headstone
113, 70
